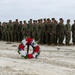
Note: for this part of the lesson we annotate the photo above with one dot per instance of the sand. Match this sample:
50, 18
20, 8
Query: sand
53, 60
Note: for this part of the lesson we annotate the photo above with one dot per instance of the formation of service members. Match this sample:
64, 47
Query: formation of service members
45, 31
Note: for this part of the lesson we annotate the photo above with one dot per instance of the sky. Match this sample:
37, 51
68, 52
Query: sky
36, 9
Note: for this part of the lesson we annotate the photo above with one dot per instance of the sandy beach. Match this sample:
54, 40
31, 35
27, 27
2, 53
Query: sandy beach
53, 60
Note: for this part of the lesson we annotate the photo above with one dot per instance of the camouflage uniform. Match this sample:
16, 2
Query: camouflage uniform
53, 32
11, 32
30, 28
45, 27
60, 29
67, 33
41, 32
56, 32
24, 30
8, 30
0, 31
20, 37
2, 28
15, 30
48, 37
4, 31
35, 30
73, 33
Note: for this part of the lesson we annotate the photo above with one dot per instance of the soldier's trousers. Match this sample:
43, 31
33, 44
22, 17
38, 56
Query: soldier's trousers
23, 35
68, 37
48, 38
19, 37
15, 36
0, 35
53, 38
35, 36
41, 38
8, 37
31, 34
11, 36
73, 38
44, 38
3, 36
60, 38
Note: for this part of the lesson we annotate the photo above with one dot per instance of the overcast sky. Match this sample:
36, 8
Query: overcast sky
35, 9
